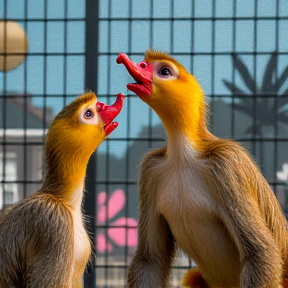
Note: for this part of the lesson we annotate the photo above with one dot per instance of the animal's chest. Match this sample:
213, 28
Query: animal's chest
82, 246
182, 190
186, 202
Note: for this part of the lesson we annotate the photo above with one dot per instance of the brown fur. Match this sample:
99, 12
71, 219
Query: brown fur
43, 242
36, 244
207, 196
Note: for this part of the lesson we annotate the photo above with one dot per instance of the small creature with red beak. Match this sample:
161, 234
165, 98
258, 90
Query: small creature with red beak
202, 193
43, 242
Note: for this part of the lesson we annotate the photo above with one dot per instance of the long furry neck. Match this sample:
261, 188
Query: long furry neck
189, 130
66, 163
64, 174
184, 114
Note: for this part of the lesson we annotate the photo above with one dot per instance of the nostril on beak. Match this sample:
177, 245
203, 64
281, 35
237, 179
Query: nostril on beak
143, 64
99, 106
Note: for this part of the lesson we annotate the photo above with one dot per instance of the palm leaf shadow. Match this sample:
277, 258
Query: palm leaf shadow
269, 106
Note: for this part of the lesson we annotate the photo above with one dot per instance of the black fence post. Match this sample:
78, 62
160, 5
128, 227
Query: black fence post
91, 84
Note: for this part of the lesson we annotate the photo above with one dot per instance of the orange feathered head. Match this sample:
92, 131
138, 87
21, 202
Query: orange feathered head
173, 93
78, 130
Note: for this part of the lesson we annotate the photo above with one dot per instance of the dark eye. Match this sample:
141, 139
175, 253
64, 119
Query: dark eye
89, 114
165, 71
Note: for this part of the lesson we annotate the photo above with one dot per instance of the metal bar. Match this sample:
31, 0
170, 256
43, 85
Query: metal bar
25, 115
240, 18
222, 95
212, 53
213, 59
195, 18
4, 148
107, 162
233, 74
276, 102
254, 147
65, 67
91, 55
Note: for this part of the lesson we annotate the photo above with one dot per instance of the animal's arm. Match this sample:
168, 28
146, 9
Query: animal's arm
238, 181
151, 264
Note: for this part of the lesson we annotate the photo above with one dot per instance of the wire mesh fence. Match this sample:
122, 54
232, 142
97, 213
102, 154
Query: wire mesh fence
236, 49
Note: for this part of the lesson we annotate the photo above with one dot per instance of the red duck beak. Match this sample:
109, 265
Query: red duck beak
142, 74
109, 113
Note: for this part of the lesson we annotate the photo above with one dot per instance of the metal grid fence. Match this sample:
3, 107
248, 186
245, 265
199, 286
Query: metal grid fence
236, 49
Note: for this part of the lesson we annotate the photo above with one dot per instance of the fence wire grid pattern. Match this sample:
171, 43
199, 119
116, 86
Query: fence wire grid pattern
237, 50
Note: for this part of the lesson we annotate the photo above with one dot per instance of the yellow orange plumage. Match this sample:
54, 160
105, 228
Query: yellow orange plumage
200, 193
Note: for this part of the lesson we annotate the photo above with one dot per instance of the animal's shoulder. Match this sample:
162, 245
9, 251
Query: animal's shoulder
153, 157
228, 154
38, 216
151, 165
234, 169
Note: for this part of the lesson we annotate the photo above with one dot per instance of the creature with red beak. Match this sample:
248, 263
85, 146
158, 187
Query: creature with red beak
43, 241
201, 193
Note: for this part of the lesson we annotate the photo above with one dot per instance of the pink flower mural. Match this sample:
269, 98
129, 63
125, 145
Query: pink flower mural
107, 210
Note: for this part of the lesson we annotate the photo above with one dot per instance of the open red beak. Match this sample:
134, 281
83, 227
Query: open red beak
109, 113
142, 74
